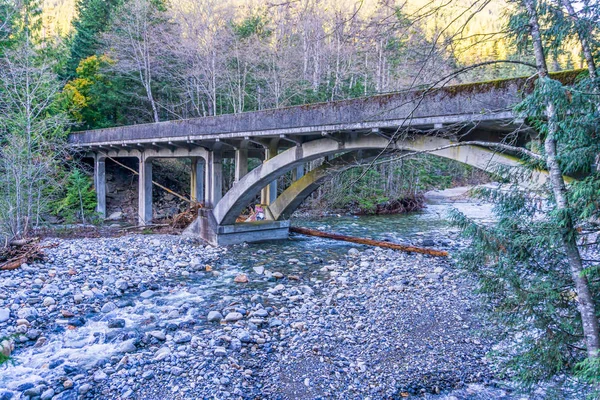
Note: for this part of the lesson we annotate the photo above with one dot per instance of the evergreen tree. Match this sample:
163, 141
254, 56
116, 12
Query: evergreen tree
534, 262
91, 21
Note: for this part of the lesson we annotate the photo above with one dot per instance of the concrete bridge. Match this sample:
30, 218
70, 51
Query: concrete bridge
286, 139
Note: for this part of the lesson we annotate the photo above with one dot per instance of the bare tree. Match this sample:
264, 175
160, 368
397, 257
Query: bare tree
137, 39
31, 136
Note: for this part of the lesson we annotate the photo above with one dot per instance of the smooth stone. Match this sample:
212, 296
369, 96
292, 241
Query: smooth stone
182, 337
4, 314
121, 284
83, 389
162, 353
160, 335
77, 321
148, 374
128, 346
261, 313
147, 294
214, 316
99, 376
277, 275
241, 278
273, 322
220, 351
48, 394
236, 344
259, 270
108, 307
117, 215
244, 336
49, 301
116, 323
233, 316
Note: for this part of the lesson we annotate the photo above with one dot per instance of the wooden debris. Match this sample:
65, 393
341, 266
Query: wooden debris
369, 242
23, 251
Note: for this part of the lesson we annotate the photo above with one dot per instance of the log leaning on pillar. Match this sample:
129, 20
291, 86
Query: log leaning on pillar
369, 242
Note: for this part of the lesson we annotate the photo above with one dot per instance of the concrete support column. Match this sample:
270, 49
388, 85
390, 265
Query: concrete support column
197, 180
297, 173
241, 161
214, 179
269, 194
100, 184
145, 191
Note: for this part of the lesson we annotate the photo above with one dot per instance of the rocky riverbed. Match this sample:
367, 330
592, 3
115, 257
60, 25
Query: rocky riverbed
154, 316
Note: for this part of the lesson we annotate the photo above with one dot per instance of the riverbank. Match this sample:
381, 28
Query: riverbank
129, 317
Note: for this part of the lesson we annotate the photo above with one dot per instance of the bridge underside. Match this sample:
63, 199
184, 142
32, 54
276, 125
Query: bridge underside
217, 219
287, 140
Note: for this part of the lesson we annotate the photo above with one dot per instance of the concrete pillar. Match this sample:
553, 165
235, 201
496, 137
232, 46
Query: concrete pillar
197, 180
269, 193
145, 191
214, 179
100, 184
241, 161
297, 173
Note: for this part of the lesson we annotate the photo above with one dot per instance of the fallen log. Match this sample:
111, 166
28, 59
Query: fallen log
369, 242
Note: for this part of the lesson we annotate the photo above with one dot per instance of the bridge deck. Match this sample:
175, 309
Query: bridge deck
484, 105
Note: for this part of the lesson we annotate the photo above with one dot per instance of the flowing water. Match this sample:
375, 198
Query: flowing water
92, 344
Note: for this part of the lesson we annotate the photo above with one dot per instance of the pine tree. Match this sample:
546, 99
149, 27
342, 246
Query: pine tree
531, 262
91, 21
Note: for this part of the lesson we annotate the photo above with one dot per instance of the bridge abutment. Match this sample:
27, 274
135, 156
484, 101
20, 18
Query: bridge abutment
207, 228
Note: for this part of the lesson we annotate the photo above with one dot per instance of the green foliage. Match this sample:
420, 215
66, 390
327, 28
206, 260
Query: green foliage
520, 259
91, 21
79, 201
523, 272
362, 189
93, 98
253, 25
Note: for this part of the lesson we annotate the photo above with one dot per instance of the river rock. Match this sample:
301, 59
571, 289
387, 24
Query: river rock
259, 270
241, 278
261, 313
83, 389
47, 394
121, 284
244, 336
99, 376
149, 374
233, 316
116, 323
182, 337
220, 351
147, 294
4, 314
277, 275
108, 307
214, 316
128, 346
162, 353
160, 335
6, 347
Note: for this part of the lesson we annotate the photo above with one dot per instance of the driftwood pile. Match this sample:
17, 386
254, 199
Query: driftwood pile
21, 251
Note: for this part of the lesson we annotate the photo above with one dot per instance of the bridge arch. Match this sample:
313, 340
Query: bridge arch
233, 202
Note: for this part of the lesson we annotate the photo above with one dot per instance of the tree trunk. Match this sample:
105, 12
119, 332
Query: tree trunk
583, 39
585, 303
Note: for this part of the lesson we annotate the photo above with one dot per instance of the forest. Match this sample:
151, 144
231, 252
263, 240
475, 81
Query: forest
70, 66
